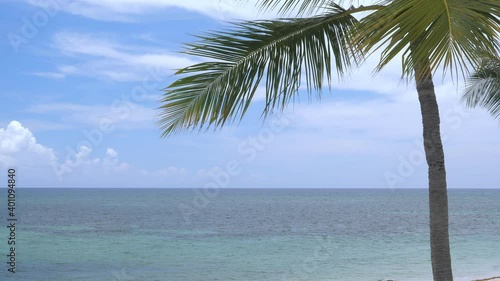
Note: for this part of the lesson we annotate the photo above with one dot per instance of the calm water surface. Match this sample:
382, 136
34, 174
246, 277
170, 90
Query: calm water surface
245, 234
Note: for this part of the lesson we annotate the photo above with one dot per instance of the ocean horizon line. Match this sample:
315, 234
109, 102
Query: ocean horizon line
259, 188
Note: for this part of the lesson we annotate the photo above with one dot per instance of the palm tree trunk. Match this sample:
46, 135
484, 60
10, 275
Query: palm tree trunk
438, 197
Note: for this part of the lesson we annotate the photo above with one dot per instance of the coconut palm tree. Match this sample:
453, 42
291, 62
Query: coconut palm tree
325, 39
483, 86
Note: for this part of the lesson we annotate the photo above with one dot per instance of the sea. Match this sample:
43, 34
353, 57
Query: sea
72, 234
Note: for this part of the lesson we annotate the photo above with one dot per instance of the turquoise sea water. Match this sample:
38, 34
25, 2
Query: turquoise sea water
244, 234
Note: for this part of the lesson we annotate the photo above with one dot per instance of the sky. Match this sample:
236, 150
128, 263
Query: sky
80, 87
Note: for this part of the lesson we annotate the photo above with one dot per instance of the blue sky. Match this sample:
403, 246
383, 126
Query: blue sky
81, 82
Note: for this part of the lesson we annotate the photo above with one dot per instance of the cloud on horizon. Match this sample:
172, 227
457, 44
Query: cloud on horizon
43, 167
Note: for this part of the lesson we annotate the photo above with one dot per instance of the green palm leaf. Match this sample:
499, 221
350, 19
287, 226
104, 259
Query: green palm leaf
301, 6
447, 33
429, 34
483, 86
279, 51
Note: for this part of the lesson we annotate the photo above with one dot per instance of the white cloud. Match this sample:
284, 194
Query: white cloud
167, 172
207, 173
146, 37
104, 58
53, 75
40, 166
387, 81
110, 171
82, 160
131, 10
43, 125
111, 153
365, 125
18, 146
152, 98
385, 126
121, 114
345, 139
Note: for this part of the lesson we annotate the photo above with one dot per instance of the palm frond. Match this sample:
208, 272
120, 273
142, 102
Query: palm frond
483, 87
279, 51
434, 33
300, 6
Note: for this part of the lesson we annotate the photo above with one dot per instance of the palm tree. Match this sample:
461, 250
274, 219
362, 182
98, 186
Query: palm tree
483, 86
428, 34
